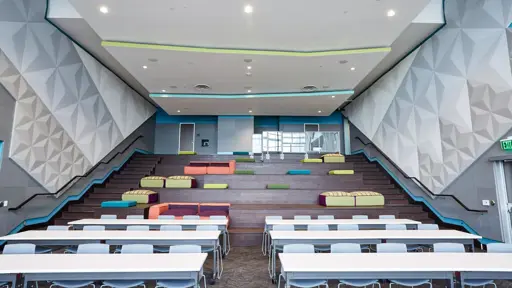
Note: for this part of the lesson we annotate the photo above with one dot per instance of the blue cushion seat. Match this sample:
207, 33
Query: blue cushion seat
299, 172
240, 153
118, 204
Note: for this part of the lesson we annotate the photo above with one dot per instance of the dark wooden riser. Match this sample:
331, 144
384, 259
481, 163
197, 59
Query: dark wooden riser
254, 196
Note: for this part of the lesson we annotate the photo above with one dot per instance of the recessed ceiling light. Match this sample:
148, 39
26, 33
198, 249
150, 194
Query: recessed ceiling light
248, 9
391, 13
178, 111
249, 91
249, 67
250, 111
163, 90
104, 9
333, 96
353, 68
319, 111
144, 67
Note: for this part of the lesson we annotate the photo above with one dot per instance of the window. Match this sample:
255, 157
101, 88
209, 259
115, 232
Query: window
272, 141
256, 143
294, 142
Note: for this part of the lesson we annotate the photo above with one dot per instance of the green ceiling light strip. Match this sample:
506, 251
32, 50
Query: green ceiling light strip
243, 51
248, 96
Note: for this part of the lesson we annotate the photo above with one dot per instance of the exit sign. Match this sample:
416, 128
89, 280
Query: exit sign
506, 144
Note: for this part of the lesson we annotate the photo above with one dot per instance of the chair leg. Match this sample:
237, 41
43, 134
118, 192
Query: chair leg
204, 280
229, 243
339, 285
279, 281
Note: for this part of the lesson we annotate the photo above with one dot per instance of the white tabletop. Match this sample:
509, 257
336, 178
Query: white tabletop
100, 263
148, 222
43, 235
341, 221
396, 262
373, 234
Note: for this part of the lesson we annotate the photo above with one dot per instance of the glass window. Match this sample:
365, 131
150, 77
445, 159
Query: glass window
256, 143
294, 142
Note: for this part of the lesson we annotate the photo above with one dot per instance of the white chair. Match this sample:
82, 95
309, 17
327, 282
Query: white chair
401, 248
359, 217
387, 217
108, 216
285, 227
303, 283
396, 227
73, 249
135, 217
217, 251
325, 217
95, 248
352, 248
225, 233
130, 249
320, 227
165, 249
186, 283
265, 241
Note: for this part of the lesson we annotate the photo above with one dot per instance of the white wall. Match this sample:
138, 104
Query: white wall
444, 105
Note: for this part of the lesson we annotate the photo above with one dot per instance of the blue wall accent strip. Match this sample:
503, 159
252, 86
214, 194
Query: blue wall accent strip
163, 118
267, 121
447, 220
47, 218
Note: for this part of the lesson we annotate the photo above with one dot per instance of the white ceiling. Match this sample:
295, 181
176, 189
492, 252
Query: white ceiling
275, 106
226, 73
293, 25
274, 25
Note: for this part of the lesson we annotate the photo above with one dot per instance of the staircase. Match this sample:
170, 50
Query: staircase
250, 201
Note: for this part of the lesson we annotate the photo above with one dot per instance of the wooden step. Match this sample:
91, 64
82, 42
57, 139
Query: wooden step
77, 215
254, 196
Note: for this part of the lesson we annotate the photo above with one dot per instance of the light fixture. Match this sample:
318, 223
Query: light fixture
144, 67
249, 67
319, 111
391, 13
248, 9
104, 9
178, 111
249, 91
333, 96
163, 90
250, 111
353, 68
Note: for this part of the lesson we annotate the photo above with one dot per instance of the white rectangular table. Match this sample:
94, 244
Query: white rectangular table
119, 237
417, 237
153, 224
396, 266
363, 223
53, 267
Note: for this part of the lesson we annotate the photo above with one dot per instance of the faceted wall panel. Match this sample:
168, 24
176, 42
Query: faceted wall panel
451, 98
70, 110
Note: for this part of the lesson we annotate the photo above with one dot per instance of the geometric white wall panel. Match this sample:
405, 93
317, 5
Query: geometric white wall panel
453, 96
70, 110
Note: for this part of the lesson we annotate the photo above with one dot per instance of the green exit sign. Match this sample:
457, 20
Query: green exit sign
506, 144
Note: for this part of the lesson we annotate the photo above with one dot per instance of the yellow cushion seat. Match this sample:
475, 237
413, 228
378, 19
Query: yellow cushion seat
341, 172
333, 158
140, 196
180, 182
311, 160
152, 182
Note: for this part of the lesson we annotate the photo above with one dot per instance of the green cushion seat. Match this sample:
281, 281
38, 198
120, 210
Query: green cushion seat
299, 172
187, 153
240, 153
341, 172
118, 204
244, 172
245, 160
215, 186
278, 186
311, 161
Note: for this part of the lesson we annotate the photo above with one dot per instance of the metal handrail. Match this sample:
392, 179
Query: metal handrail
76, 176
417, 181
